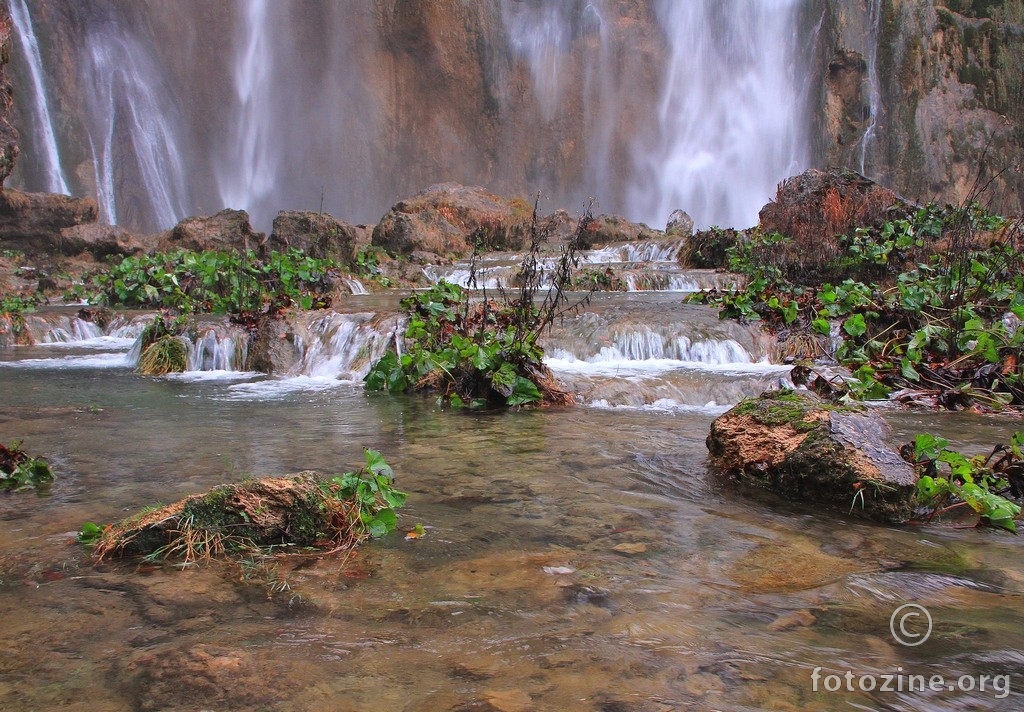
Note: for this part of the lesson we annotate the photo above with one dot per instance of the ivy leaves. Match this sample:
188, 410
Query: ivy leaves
216, 282
471, 354
952, 479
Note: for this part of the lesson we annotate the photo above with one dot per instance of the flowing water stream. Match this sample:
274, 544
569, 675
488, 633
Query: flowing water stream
574, 559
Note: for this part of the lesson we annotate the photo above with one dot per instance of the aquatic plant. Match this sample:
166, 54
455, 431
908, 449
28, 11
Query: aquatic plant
299, 511
168, 354
484, 352
950, 480
19, 470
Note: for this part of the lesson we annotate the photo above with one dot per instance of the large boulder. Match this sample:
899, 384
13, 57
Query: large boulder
228, 231
817, 453
816, 207
99, 240
818, 204
33, 222
316, 234
447, 219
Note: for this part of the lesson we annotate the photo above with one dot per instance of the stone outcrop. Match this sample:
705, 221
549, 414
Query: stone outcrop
33, 222
316, 234
99, 240
8, 134
815, 208
680, 224
818, 454
922, 95
448, 219
228, 230
817, 205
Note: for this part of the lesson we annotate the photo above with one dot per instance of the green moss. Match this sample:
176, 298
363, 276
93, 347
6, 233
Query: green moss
786, 407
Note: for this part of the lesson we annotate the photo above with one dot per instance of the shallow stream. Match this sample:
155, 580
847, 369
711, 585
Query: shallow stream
573, 559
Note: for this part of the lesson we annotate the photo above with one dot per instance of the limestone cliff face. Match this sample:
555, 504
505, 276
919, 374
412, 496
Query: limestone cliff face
8, 135
922, 96
348, 107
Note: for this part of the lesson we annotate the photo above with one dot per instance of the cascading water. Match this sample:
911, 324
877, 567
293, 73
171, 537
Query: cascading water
730, 119
314, 106
874, 85
248, 176
42, 124
130, 107
540, 33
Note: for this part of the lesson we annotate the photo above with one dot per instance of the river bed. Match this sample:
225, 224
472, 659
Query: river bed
573, 559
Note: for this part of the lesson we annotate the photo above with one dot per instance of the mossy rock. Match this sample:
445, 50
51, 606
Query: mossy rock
297, 510
814, 452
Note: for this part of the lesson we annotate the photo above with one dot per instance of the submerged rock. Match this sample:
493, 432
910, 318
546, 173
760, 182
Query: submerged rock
256, 513
816, 453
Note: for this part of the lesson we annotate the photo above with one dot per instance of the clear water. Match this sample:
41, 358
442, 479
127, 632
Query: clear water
574, 559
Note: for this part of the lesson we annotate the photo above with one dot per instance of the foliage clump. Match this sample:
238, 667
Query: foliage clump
303, 510
950, 481
217, 282
168, 354
934, 306
19, 470
481, 352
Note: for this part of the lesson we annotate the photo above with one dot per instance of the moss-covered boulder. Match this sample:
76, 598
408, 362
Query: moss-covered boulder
300, 510
814, 452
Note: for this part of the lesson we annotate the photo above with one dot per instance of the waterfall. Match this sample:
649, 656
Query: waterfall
248, 174
131, 107
874, 90
730, 119
540, 33
265, 106
42, 122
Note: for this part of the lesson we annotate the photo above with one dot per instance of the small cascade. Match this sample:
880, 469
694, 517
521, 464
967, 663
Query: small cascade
252, 174
635, 252
77, 330
218, 349
63, 329
664, 355
355, 286
344, 346
594, 339
42, 125
128, 103
492, 274
541, 34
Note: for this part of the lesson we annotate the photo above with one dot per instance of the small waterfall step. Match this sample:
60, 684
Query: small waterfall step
639, 266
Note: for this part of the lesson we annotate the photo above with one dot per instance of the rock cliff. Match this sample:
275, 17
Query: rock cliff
923, 96
324, 106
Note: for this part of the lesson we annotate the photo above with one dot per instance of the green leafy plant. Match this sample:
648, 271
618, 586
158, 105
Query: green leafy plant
90, 534
479, 352
950, 480
371, 492
19, 470
217, 282
947, 327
